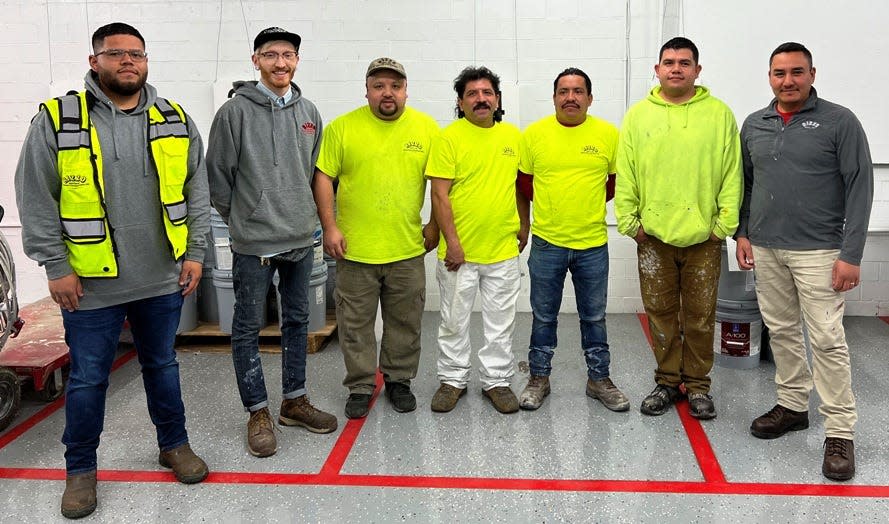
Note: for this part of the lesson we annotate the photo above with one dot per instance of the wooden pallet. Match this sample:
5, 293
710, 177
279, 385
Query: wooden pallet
209, 339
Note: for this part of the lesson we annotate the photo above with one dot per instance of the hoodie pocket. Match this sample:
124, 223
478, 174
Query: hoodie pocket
278, 215
674, 220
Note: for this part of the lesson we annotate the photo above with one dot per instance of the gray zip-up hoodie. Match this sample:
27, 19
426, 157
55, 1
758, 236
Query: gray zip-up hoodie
260, 162
808, 184
145, 263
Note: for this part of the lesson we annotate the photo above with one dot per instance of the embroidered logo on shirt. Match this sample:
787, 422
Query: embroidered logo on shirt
508, 151
74, 180
590, 150
809, 124
413, 145
308, 128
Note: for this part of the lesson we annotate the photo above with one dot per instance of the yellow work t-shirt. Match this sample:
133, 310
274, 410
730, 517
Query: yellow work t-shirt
570, 166
482, 162
380, 166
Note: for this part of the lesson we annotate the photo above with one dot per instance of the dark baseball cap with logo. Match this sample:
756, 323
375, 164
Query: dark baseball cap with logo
385, 63
276, 33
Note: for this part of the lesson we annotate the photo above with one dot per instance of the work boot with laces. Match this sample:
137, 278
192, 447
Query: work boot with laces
778, 421
608, 394
659, 400
261, 441
535, 391
300, 412
839, 459
79, 499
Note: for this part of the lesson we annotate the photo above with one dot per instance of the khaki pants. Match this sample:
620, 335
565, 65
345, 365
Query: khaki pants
400, 289
678, 287
790, 283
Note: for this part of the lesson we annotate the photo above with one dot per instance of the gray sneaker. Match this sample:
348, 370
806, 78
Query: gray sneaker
535, 391
608, 394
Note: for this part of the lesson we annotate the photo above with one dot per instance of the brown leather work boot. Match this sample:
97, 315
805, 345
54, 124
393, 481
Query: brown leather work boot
503, 399
778, 421
608, 394
261, 441
79, 499
188, 467
445, 399
839, 459
300, 412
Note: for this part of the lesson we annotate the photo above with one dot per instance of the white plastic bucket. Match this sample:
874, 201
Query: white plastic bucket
188, 317
225, 298
737, 340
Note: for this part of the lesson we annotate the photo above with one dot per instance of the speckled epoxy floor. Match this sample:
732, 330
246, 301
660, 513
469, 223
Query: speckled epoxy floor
570, 461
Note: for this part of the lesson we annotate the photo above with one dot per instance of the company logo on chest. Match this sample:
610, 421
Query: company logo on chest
74, 180
413, 146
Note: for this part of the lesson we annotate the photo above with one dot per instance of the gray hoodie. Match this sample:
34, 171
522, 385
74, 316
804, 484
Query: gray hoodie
145, 263
260, 162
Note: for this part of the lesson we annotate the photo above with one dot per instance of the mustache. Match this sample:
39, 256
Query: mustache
481, 105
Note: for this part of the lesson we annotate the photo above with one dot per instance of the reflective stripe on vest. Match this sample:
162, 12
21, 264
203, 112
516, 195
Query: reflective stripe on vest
85, 226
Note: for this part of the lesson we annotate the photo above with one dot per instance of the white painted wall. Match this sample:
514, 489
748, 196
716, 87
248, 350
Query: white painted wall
198, 47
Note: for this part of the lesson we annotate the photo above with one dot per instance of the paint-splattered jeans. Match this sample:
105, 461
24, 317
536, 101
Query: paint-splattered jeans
251, 277
548, 266
92, 337
678, 287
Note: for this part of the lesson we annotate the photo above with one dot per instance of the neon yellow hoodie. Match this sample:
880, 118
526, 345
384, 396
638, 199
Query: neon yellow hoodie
679, 169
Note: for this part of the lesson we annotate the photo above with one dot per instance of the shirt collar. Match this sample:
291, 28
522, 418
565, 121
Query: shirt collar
281, 101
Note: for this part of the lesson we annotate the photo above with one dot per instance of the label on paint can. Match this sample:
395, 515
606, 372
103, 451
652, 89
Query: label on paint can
738, 339
319, 294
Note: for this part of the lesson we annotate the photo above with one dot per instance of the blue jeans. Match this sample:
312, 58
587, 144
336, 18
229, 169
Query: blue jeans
92, 337
548, 265
251, 277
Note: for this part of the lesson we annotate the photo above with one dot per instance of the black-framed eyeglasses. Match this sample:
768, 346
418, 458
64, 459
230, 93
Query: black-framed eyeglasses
271, 56
136, 55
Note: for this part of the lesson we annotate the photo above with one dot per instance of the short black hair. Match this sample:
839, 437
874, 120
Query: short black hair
574, 71
114, 28
471, 74
679, 42
791, 47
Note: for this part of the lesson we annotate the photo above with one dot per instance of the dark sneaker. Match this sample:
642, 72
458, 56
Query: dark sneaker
659, 400
778, 421
445, 399
300, 412
401, 397
79, 499
839, 459
535, 391
503, 399
700, 405
608, 394
188, 467
358, 405
261, 441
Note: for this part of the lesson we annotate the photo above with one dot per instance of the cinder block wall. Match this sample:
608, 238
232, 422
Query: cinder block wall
198, 47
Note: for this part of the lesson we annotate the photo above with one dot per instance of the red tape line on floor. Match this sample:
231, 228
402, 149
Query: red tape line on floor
714, 480
343, 446
477, 483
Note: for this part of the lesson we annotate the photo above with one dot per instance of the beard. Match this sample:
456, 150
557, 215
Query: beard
109, 81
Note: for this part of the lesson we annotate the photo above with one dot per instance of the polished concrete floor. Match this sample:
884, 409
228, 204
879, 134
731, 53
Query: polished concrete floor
570, 461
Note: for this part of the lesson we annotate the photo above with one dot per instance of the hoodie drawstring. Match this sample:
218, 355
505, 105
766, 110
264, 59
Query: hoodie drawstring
274, 139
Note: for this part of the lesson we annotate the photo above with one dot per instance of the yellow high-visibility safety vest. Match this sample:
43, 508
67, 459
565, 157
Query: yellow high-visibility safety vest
85, 226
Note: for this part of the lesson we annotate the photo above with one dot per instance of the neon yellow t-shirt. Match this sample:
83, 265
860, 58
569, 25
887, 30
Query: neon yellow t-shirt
380, 166
570, 166
482, 162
